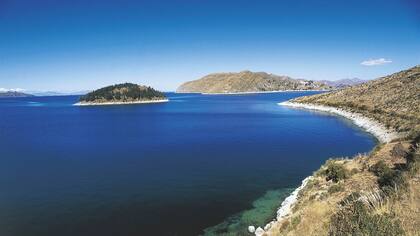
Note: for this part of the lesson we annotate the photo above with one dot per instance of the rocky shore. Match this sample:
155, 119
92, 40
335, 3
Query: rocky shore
383, 134
283, 211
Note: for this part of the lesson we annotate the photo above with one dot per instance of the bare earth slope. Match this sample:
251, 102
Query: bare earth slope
247, 81
370, 194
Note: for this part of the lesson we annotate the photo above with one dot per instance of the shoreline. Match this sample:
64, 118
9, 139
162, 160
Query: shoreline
119, 103
258, 92
383, 134
283, 211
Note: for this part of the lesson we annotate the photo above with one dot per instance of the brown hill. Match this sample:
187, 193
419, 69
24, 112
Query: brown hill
393, 100
247, 81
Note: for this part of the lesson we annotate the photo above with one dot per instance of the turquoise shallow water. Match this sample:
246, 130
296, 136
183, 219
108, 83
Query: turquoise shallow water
169, 169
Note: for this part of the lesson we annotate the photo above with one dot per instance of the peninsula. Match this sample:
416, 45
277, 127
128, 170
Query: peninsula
120, 94
370, 194
248, 82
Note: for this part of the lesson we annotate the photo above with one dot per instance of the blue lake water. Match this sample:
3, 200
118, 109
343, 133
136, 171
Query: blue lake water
164, 169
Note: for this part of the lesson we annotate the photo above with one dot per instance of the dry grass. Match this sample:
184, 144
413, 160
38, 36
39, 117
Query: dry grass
247, 81
408, 208
316, 206
392, 100
374, 199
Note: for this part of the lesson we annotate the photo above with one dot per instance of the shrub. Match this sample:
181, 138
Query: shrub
388, 179
354, 171
312, 197
295, 221
398, 151
356, 219
380, 168
335, 188
335, 172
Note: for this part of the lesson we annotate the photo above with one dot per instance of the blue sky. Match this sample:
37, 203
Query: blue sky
78, 45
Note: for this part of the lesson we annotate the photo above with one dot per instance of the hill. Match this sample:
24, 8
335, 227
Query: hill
343, 83
393, 100
14, 94
126, 93
370, 194
247, 81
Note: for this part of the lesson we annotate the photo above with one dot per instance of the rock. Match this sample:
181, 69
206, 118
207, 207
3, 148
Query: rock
259, 231
267, 226
251, 229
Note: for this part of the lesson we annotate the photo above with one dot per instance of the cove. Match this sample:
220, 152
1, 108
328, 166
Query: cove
196, 162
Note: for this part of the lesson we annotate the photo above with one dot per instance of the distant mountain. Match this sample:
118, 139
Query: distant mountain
247, 81
59, 93
14, 94
343, 83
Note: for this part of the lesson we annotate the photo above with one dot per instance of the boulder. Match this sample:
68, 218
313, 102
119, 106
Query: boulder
259, 232
251, 229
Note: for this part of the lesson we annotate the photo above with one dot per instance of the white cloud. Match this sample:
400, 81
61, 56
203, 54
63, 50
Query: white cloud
11, 90
375, 62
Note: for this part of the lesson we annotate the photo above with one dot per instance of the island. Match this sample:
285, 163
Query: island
14, 94
248, 82
376, 193
119, 94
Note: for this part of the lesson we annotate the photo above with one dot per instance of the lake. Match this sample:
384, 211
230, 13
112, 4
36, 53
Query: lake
174, 168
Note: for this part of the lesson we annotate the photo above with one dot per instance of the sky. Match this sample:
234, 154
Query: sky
53, 45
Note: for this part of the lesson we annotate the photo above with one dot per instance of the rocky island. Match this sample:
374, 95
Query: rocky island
370, 194
119, 94
248, 82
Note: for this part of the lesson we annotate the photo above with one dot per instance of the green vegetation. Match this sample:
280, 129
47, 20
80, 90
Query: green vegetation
372, 214
335, 188
126, 92
355, 219
335, 172
295, 221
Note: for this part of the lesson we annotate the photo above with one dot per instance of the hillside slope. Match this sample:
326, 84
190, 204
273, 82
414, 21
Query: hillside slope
392, 100
247, 81
370, 194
